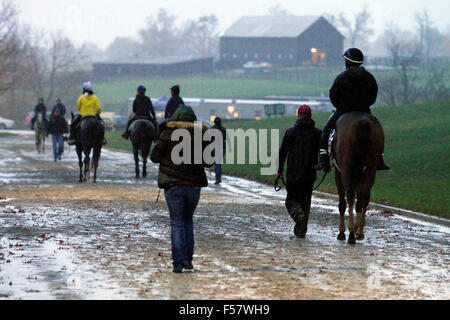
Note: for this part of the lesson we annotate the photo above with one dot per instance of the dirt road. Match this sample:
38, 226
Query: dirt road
63, 240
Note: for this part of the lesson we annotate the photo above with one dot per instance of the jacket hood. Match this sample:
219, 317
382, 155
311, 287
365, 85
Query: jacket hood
305, 123
183, 118
183, 113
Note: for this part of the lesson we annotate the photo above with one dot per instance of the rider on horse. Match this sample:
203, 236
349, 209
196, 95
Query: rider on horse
142, 108
42, 109
89, 105
355, 89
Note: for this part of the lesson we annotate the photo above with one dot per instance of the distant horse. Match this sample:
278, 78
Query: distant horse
40, 132
89, 136
357, 146
142, 134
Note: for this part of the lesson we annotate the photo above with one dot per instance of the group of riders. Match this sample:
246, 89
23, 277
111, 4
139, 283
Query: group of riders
355, 89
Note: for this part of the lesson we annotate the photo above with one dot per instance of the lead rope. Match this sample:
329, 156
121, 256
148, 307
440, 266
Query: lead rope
323, 179
157, 197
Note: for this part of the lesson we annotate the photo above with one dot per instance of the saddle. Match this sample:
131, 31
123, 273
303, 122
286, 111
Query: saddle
330, 149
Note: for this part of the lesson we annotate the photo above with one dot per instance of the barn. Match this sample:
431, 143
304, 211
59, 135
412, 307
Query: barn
281, 41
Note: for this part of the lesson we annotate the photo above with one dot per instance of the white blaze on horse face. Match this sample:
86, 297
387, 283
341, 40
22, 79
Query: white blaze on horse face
181, 153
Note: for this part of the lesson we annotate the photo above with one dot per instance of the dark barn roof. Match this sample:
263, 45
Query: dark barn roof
270, 26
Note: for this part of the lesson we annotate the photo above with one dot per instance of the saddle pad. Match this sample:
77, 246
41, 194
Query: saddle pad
330, 141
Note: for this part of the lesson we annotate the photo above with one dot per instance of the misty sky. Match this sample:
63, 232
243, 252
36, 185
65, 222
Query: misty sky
100, 21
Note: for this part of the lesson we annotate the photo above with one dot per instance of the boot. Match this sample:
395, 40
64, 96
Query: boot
218, 180
324, 161
126, 135
382, 165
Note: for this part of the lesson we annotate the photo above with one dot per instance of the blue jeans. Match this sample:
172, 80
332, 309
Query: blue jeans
218, 170
182, 201
58, 145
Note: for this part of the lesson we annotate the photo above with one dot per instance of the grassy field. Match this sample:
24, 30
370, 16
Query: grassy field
6, 134
116, 92
417, 148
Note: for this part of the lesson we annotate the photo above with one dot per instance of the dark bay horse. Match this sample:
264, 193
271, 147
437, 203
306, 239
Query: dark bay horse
358, 142
142, 134
89, 136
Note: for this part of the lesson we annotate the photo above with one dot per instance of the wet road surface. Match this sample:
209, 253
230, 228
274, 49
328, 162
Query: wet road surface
63, 240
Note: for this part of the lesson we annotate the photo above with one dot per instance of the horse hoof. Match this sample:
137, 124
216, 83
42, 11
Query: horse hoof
144, 175
341, 236
137, 176
351, 238
359, 237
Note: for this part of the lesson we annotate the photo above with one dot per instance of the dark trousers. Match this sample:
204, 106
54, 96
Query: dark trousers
58, 145
182, 201
218, 171
298, 201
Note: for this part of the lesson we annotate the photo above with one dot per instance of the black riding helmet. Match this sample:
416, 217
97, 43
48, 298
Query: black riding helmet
354, 55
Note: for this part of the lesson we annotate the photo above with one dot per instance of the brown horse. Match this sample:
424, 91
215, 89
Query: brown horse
358, 144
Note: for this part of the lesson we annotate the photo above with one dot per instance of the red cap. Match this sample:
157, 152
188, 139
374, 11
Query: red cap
305, 110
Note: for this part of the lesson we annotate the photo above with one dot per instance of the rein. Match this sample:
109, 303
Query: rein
321, 181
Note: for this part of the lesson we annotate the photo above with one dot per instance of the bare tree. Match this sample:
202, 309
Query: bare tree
357, 30
410, 81
429, 36
47, 61
201, 36
123, 48
160, 38
400, 88
10, 45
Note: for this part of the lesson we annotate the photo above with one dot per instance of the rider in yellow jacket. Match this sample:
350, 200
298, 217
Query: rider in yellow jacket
89, 105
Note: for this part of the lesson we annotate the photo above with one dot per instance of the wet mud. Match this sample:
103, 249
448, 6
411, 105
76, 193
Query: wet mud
63, 240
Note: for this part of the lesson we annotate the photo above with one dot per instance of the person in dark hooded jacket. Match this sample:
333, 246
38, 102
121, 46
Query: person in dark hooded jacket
355, 89
39, 108
300, 147
173, 102
142, 108
182, 182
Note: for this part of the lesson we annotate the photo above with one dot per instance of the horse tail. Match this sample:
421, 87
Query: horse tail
362, 142
360, 150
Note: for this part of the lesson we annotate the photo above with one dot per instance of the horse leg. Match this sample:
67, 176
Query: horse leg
342, 206
80, 162
87, 162
361, 208
145, 152
351, 223
136, 160
95, 160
